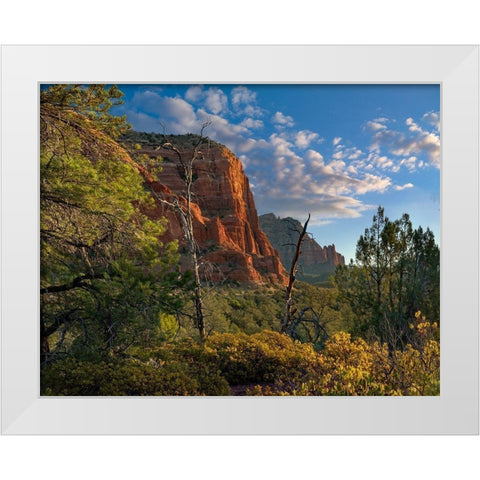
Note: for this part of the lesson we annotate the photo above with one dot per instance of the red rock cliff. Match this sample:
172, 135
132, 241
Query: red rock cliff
226, 224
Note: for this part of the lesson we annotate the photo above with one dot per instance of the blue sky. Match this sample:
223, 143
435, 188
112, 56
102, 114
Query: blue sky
334, 151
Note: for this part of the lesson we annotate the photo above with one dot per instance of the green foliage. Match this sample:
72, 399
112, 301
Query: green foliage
265, 363
168, 327
92, 102
129, 377
261, 357
235, 309
105, 275
396, 273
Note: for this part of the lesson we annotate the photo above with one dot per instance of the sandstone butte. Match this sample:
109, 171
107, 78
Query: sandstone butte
225, 220
283, 234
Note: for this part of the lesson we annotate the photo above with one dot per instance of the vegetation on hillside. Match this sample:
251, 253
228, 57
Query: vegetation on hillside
117, 314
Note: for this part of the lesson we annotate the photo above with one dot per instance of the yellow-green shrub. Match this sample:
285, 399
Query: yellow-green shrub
355, 367
71, 377
272, 363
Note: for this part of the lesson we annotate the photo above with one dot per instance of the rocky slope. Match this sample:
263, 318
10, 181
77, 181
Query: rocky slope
316, 263
232, 245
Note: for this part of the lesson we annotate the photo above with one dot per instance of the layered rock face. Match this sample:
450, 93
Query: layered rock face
315, 262
225, 219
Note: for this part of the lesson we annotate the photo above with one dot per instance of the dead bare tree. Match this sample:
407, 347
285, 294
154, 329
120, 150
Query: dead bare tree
294, 322
184, 213
289, 307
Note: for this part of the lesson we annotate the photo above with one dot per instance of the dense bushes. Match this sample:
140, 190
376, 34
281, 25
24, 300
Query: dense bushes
130, 377
268, 363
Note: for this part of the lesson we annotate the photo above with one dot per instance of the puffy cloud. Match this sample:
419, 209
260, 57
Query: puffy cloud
417, 142
244, 101
337, 165
242, 95
150, 112
412, 126
403, 187
215, 100
251, 123
289, 177
373, 183
284, 120
410, 163
304, 138
314, 156
381, 161
178, 109
353, 153
374, 126
143, 122
338, 154
145, 101
194, 93
433, 118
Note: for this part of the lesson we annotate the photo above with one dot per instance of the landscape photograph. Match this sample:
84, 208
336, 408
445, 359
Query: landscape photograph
239, 239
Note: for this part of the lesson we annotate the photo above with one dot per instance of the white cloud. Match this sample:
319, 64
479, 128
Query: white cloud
433, 118
314, 156
322, 209
242, 95
251, 123
303, 138
244, 101
382, 162
403, 187
215, 100
177, 115
194, 93
375, 126
354, 153
417, 142
253, 111
373, 183
412, 126
410, 163
143, 122
290, 183
145, 101
280, 119
337, 165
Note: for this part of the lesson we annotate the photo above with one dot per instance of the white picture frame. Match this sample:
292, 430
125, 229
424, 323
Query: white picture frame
455, 68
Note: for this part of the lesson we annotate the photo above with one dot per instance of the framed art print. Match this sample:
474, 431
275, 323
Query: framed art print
251, 232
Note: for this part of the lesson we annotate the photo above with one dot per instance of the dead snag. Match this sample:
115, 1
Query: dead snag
289, 308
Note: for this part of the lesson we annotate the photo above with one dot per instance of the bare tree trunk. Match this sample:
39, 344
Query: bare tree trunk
186, 217
289, 311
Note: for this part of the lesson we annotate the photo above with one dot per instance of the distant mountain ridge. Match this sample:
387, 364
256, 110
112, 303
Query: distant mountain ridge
316, 263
